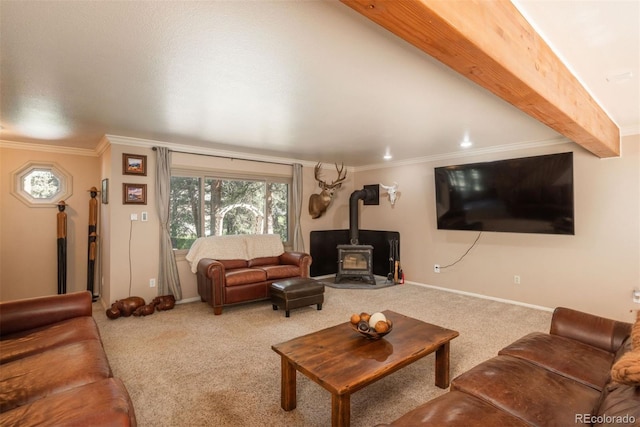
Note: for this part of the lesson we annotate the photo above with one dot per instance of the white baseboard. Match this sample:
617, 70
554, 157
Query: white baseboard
472, 294
455, 291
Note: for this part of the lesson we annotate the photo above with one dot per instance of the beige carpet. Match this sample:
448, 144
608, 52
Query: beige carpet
187, 367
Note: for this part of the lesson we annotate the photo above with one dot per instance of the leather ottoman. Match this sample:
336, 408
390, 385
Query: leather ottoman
295, 293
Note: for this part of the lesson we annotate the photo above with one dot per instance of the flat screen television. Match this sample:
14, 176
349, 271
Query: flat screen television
524, 195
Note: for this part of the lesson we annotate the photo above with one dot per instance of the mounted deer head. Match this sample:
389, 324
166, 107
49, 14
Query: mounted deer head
318, 203
391, 191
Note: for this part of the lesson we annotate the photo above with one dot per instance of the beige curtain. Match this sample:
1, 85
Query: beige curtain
168, 279
298, 241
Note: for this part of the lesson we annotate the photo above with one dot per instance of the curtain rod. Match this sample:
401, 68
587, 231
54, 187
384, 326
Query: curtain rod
227, 157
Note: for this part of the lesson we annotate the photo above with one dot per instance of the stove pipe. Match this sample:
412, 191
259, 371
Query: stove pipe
366, 194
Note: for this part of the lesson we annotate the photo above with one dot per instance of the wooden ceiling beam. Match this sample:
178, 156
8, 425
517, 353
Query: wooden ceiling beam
492, 44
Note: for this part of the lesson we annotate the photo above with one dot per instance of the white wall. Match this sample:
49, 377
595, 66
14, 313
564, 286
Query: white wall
595, 270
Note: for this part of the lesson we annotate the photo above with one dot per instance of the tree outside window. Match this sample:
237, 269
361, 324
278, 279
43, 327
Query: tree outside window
211, 206
41, 184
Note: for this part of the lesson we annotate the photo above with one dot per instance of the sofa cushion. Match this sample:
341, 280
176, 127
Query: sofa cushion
606, 334
102, 403
527, 391
457, 409
230, 264
570, 358
619, 401
28, 379
33, 341
267, 260
243, 276
280, 271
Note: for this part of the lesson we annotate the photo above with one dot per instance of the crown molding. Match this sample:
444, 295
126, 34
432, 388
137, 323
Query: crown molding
48, 148
192, 149
107, 140
103, 145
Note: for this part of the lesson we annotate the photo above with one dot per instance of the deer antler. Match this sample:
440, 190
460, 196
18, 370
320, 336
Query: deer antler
318, 203
341, 177
323, 184
316, 174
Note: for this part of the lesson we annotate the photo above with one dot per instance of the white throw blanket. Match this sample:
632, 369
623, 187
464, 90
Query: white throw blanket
244, 246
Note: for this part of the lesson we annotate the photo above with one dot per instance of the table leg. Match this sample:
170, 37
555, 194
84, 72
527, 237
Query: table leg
442, 366
288, 386
340, 410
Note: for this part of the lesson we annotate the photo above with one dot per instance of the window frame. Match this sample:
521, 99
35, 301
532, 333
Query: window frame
64, 178
203, 174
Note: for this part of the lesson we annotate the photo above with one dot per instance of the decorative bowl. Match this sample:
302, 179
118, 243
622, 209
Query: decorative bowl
370, 333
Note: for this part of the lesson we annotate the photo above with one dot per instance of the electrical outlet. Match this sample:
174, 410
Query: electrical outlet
436, 268
144, 217
636, 296
152, 283
516, 280
134, 217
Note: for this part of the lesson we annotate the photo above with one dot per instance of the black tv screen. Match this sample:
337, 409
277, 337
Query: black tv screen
525, 195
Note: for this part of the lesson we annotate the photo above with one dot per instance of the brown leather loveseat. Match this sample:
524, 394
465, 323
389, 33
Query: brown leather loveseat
240, 268
53, 369
562, 378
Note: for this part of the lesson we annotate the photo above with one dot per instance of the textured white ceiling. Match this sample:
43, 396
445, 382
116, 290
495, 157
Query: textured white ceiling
309, 80
597, 40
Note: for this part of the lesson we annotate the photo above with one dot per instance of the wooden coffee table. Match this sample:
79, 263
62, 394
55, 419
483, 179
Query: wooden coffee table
343, 361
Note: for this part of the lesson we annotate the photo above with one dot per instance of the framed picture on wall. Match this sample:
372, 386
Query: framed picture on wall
134, 194
134, 164
105, 191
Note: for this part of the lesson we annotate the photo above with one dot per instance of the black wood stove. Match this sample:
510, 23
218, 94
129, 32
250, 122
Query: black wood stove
355, 261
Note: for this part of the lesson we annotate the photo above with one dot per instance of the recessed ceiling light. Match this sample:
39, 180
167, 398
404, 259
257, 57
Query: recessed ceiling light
466, 144
387, 156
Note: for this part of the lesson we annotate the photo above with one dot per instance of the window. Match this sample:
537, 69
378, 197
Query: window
215, 206
41, 184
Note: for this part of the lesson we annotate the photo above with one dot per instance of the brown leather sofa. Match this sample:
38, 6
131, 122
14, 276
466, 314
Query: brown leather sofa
53, 368
227, 282
239, 268
557, 379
